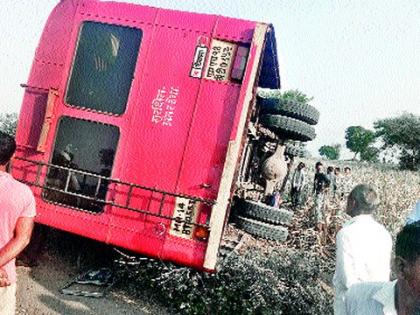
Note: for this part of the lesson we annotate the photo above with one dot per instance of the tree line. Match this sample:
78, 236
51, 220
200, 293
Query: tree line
396, 138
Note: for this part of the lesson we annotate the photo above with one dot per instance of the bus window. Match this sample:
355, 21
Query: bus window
88, 147
103, 67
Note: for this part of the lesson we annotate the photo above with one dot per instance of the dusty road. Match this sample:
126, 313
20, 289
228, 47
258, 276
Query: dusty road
38, 289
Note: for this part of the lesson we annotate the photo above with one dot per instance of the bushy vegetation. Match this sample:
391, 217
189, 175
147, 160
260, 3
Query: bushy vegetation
399, 134
270, 278
403, 133
8, 123
359, 140
284, 281
330, 152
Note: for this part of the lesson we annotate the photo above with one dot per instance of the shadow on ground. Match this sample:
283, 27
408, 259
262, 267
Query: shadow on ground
59, 258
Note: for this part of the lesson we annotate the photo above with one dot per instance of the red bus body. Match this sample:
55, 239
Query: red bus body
174, 142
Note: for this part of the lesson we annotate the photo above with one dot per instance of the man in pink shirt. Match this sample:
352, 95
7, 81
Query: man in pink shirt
17, 212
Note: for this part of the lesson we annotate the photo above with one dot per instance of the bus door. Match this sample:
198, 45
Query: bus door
88, 122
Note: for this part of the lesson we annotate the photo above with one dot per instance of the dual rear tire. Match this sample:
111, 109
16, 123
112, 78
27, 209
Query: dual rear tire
288, 119
262, 220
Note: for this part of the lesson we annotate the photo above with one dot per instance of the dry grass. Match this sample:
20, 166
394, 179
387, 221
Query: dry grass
263, 277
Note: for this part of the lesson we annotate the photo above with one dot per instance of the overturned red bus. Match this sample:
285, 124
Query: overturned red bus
134, 120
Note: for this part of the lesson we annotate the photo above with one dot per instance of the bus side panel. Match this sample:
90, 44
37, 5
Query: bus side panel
173, 135
203, 162
184, 251
164, 108
46, 72
201, 24
209, 136
154, 145
155, 148
236, 30
30, 120
76, 222
54, 41
118, 13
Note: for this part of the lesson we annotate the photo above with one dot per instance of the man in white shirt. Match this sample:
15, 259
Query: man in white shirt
400, 297
363, 246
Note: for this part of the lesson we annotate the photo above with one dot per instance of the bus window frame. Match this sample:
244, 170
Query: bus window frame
72, 65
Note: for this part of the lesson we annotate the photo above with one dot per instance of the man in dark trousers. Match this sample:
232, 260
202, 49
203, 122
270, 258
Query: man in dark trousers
298, 183
321, 185
333, 181
17, 212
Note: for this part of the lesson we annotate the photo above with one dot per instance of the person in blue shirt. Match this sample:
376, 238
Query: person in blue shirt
414, 216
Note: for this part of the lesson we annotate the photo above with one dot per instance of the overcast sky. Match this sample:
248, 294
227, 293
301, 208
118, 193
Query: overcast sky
358, 59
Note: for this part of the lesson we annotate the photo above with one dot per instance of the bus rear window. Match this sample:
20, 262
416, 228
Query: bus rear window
103, 67
88, 148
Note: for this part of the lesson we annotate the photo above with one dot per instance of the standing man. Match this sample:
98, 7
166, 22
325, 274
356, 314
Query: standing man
298, 183
397, 297
321, 184
363, 246
338, 189
333, 182
347, 183
17, 212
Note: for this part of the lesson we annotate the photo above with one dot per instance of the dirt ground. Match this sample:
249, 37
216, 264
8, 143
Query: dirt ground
38, 286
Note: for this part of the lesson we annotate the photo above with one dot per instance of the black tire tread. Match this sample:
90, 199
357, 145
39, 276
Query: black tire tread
297, 110
271, 103
265, 213
262, 229
294, 151
289, 128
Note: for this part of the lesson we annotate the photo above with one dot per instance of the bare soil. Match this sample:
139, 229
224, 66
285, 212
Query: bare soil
59, 261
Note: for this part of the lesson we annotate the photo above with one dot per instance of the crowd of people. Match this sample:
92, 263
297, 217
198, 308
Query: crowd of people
328, 187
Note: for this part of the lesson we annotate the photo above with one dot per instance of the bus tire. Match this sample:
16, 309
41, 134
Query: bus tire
288, 128
294, 109
295, 151
262, 212
268, 96
261, 229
